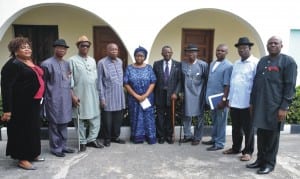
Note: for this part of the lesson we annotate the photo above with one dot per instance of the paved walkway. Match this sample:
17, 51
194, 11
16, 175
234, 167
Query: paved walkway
153, 161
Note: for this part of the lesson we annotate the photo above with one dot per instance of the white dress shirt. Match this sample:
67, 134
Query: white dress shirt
241, 82
169, 65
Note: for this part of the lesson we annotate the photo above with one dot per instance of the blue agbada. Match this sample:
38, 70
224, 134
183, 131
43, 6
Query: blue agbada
58, 101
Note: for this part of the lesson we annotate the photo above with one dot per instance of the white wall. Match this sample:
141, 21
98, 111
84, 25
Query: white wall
138, 22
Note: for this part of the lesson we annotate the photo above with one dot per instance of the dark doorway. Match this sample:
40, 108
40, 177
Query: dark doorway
104, 35
203, 38
42, 38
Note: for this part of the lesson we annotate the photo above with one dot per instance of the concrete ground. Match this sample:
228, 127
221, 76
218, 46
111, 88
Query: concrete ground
153, 161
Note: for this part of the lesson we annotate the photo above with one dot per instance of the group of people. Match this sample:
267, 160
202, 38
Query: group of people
256, 92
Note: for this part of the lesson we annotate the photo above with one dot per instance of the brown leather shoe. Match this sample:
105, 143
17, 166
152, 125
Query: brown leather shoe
231, 151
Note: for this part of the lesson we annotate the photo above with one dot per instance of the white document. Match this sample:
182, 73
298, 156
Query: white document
145, 104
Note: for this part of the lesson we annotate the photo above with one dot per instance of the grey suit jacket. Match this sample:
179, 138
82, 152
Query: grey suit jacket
174, 83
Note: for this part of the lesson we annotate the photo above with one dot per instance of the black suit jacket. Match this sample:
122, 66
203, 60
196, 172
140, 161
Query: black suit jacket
174, 83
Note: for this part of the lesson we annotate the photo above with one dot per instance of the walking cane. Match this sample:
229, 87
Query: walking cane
180, 115
77, 120
173, 119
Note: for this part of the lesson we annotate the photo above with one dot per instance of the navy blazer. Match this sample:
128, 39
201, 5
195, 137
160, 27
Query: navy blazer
174, 82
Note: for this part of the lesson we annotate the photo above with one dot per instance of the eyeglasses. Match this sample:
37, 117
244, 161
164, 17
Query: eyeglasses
83, 46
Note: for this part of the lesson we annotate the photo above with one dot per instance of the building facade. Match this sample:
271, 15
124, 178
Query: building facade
150, 24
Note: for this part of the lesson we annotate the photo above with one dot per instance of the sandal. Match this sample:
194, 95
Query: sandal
26, 165
245, 157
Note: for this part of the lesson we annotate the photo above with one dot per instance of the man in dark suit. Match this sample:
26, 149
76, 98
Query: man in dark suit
168, 74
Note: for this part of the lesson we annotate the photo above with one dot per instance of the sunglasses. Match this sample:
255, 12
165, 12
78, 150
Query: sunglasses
83, 46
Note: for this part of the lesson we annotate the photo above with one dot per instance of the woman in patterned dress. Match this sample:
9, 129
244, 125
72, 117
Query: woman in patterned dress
139, 81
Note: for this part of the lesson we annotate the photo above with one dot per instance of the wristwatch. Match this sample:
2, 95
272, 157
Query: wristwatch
224, 99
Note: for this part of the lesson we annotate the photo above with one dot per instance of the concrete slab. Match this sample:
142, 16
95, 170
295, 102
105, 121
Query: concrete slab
153, 161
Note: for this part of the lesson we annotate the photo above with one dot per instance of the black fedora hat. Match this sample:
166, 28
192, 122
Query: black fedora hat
244, 41
60, 42
191, 47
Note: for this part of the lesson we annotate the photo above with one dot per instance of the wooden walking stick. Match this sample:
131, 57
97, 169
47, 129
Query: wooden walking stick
173, 119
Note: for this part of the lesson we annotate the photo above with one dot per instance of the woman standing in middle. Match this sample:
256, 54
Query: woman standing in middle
139, 81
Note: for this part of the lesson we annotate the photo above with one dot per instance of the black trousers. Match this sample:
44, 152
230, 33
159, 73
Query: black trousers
242, 124
111, 124
164, 126
267, 146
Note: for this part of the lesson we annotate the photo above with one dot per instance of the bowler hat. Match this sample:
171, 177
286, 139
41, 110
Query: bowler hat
191, 47
60, 42
244, 41
83, 39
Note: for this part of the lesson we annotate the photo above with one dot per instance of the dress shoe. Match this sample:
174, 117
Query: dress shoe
185, 140
210, 142
94, 144
231, 151
161, 140
118, 140
82, 147
58, 154
68, 150
195, 142
106, 143
170, 140
265, 170
214, 148
256, 164
29, 167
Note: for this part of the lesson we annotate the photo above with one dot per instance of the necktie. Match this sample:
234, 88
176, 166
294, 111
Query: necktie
166, 72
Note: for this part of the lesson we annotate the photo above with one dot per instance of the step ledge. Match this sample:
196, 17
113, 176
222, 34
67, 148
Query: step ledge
125, 131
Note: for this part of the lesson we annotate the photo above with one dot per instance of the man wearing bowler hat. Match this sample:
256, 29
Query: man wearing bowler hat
194, 78
58, 102
244, 70
85, 95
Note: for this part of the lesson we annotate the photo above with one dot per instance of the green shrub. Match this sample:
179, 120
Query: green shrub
293, 116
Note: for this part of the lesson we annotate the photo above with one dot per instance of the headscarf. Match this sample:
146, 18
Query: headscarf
141, 49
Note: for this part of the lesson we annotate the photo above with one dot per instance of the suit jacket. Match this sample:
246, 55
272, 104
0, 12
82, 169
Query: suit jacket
174, 82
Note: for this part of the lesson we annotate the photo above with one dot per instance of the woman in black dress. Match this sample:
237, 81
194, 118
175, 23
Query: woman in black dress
22, 88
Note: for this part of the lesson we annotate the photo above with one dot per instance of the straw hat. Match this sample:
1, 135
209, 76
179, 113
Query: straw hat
83, 39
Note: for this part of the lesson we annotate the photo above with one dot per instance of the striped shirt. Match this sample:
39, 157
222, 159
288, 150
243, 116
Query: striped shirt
110, 84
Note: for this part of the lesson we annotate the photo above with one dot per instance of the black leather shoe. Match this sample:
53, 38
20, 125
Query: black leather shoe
82, 147
95, 144
118, 140
210, 142
265, 170
214, 148
68, 150
161, 140
170, 140
58, 154
186, 140
256, 164
106, 143
195, 142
